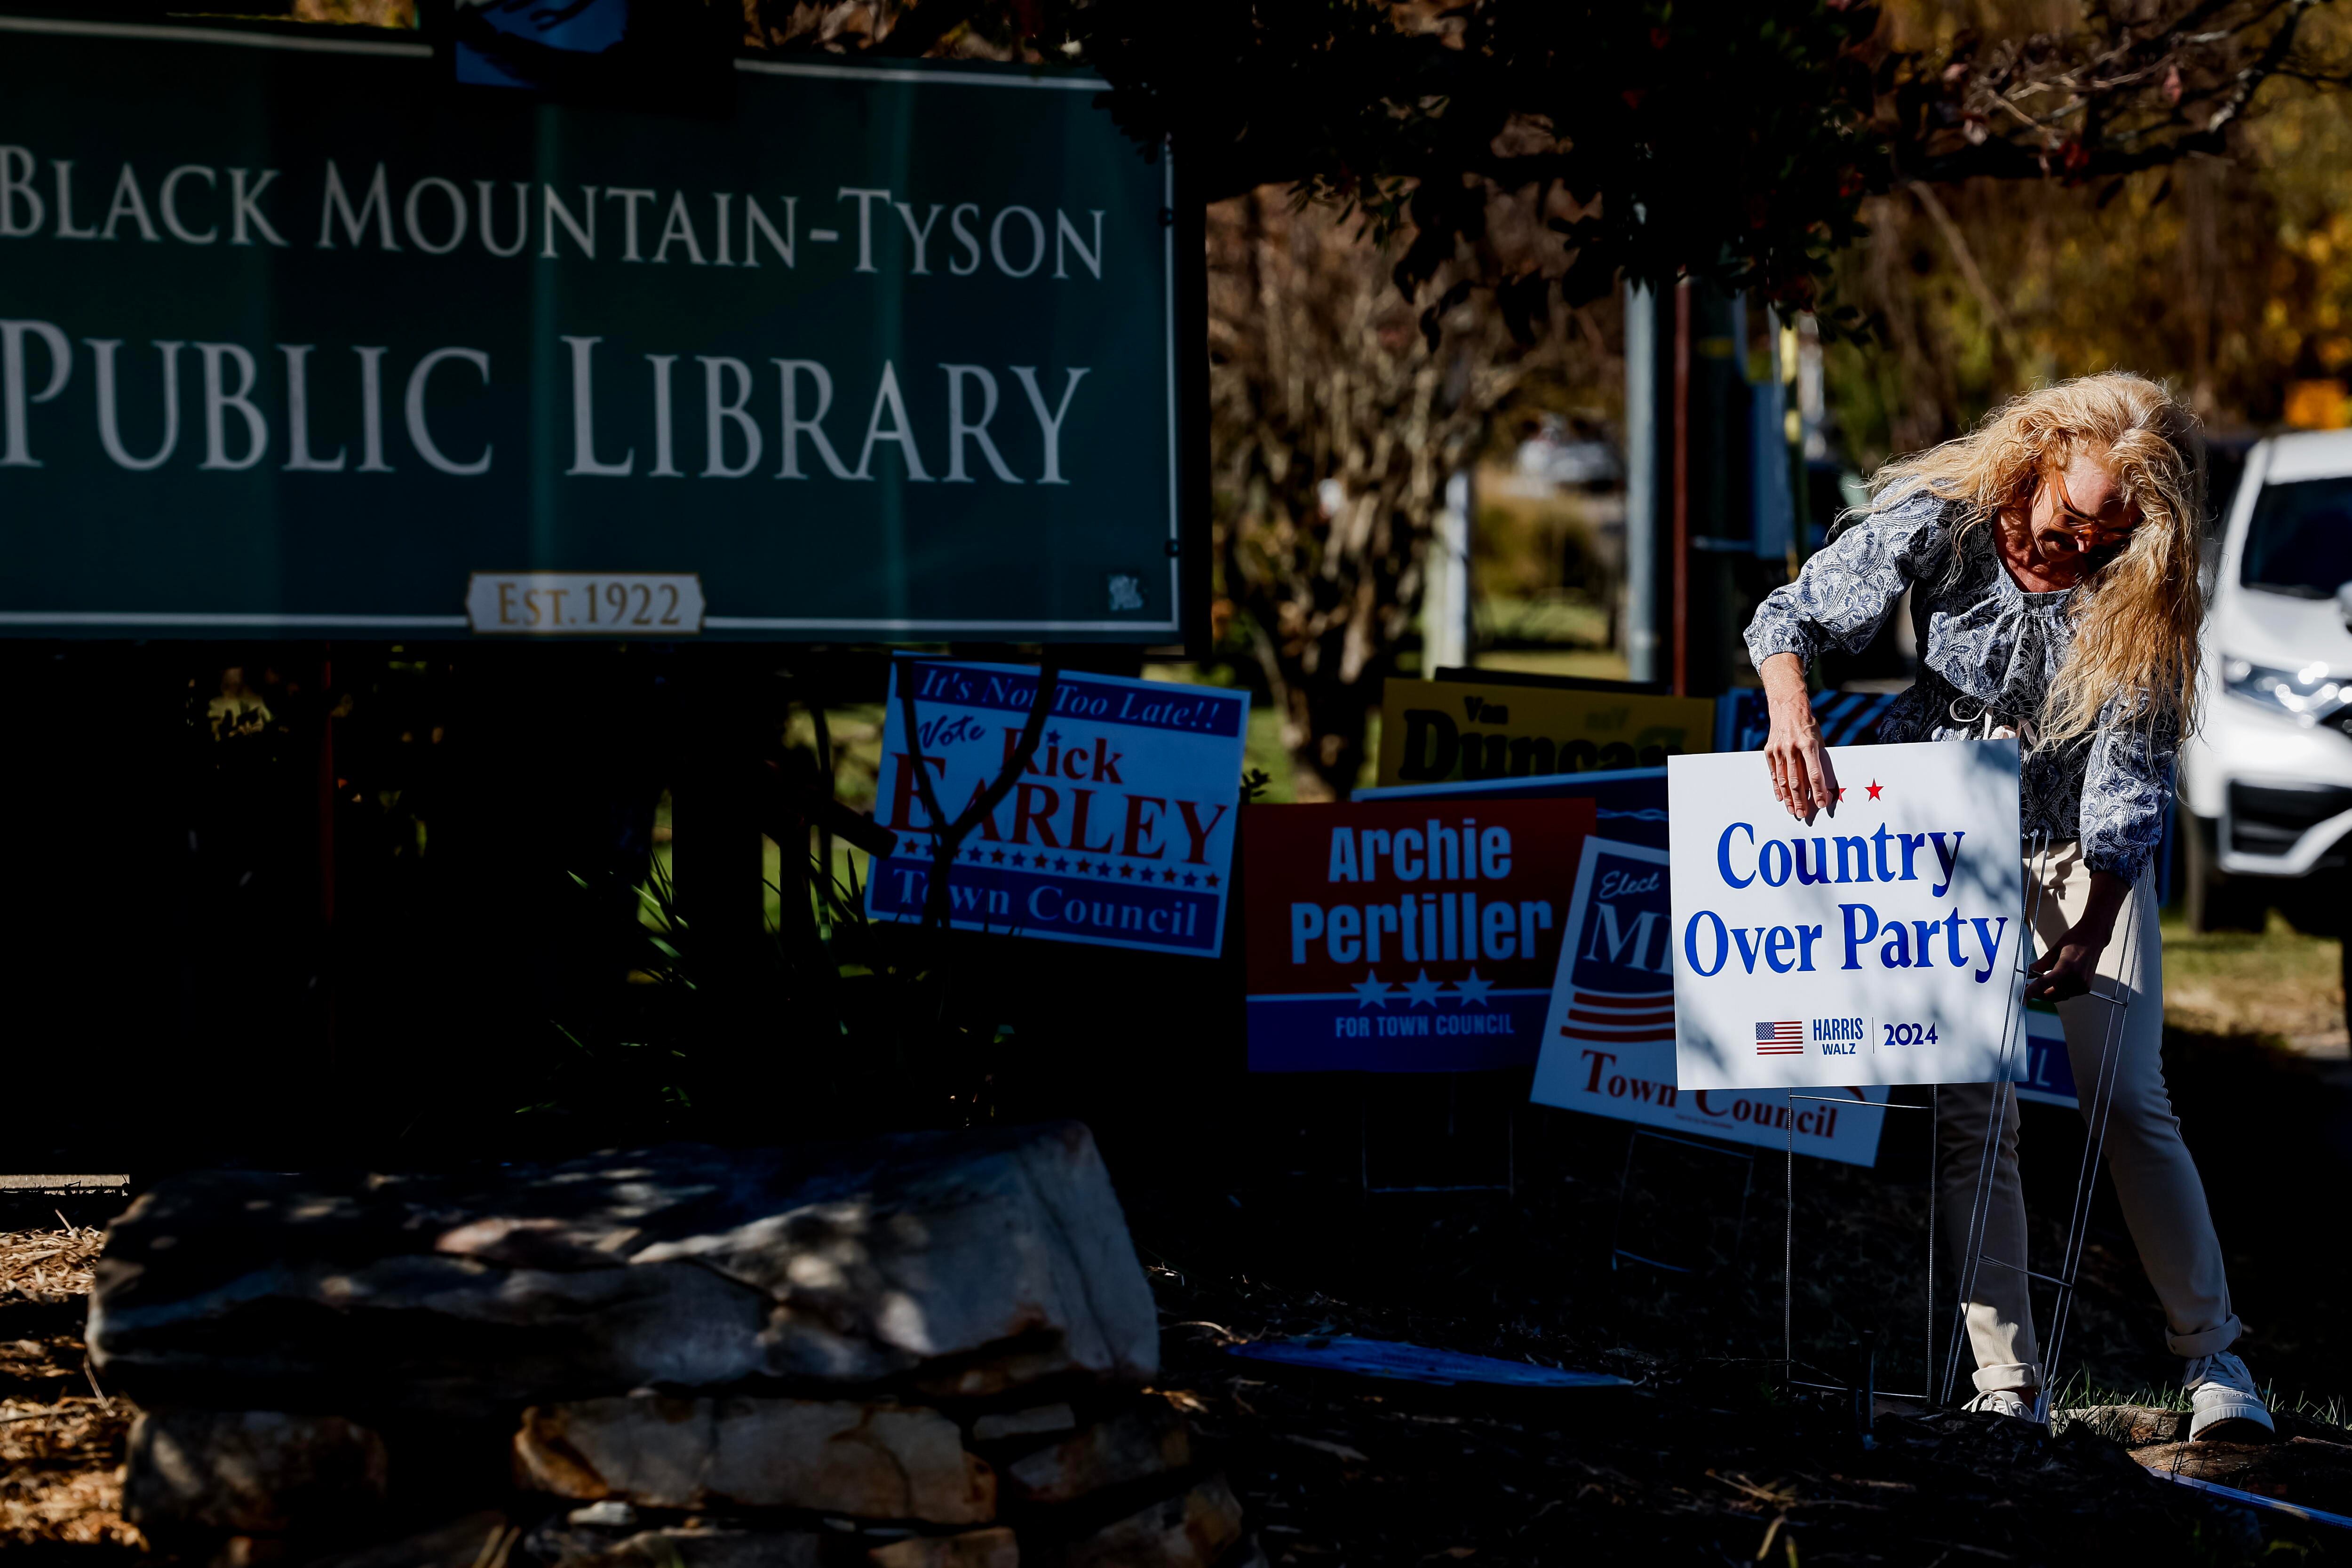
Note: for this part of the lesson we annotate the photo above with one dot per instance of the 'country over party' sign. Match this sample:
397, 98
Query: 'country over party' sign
1609, 1037
1407, 937
1119, 831
1877, 944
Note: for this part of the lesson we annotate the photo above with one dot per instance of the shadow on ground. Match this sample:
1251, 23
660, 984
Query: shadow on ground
1278, 1236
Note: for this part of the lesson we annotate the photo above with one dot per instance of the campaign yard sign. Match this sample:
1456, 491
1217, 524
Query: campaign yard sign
1404, 937
2043, 1071
1119, 831
1609, 1032
1877, 944
1432, 730
1628, 804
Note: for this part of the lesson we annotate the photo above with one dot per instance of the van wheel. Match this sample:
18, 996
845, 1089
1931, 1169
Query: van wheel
2210, 899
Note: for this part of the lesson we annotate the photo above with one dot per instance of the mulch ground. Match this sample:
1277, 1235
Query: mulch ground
1711, 1457
60, 1442
1714, 1458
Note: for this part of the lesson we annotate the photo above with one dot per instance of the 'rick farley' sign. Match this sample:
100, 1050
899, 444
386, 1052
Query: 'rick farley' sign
1118, 831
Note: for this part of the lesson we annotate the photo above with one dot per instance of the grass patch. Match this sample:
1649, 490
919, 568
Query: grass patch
2274, 982
1571, 618
1582, 663
2081, 1392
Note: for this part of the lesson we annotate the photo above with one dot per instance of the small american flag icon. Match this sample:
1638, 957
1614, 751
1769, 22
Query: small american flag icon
1781, 1039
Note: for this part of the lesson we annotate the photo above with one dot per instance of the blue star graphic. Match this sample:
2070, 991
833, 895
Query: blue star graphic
1423, 991
1370, 991
1474, 989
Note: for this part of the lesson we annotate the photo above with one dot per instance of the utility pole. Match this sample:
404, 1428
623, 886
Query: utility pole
1446, 642
1690, 513
1682, 481
1640, 616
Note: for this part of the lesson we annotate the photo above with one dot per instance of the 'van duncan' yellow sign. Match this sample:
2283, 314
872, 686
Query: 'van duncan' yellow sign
1437, 730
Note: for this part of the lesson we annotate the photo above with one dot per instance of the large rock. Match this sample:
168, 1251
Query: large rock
977, 1549
692, 1546
1192, 1530
1037, 1421
251, 1472
2315, 1474
1145, 1439
2133, 1426
868, 1461
978, 1262
466, 1542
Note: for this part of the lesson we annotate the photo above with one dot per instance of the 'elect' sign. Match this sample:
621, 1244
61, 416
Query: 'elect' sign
1609, 1040
1876, 944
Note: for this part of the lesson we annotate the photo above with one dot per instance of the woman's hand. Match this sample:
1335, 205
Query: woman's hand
2072, 963
1803, 779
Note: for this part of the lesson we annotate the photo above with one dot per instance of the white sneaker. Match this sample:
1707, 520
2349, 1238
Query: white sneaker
2226, 1405
2002, 1402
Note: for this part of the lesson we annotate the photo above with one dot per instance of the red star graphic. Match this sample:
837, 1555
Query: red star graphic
1840, 795
1873, 787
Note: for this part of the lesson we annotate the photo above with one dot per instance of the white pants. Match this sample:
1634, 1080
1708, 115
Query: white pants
2162, 1197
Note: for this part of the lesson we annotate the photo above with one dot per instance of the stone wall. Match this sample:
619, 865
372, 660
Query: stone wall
929, 1351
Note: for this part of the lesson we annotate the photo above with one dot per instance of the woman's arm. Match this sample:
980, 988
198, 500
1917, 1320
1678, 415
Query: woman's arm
1840, 600
2126, 795
1803, 779
2069, 967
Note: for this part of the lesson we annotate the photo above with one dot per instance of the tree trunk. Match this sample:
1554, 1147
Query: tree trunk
1335, 424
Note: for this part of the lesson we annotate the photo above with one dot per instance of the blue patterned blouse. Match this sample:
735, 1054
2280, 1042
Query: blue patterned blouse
1985, 644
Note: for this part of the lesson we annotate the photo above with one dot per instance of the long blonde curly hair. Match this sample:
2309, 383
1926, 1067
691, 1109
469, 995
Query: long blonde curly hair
2134, 618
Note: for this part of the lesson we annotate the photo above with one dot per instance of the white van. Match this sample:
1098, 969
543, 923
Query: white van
2265, 789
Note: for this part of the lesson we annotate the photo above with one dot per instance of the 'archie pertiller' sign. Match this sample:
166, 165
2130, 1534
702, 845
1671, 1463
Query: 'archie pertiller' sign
1407, 937
1119, 831
1877, 944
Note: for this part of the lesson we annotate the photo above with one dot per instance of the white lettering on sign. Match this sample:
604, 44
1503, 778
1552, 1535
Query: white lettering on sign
380, 208
131, 383
651, 605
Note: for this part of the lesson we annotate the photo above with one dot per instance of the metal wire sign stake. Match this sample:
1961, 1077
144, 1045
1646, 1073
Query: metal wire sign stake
2012, 1031
1869, 1391
2095, 1114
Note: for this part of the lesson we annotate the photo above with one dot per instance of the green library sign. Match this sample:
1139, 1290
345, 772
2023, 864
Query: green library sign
296, 338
